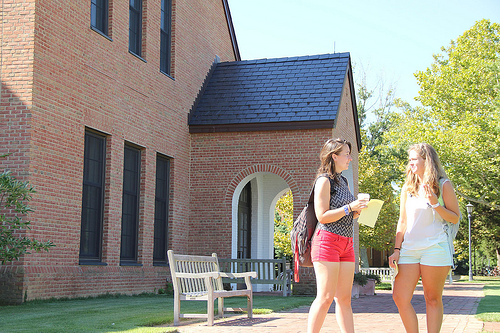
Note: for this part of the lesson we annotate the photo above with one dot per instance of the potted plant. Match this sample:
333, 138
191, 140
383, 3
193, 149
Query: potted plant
364, 284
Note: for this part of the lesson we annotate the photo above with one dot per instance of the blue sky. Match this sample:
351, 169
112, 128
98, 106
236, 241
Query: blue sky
387, 39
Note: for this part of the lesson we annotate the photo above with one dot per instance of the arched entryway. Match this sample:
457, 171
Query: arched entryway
253, 204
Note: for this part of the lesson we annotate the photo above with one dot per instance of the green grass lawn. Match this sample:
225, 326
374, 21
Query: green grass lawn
489, 306
131, 314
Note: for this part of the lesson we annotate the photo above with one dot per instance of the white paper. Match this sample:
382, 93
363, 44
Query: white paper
369, 215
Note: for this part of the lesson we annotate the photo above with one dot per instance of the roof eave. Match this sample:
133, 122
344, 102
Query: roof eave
271, 126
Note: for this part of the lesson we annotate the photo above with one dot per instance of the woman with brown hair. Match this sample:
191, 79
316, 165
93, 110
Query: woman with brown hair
421, 246
332, 249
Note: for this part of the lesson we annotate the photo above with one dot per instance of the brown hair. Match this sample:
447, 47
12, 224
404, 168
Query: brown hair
332, 146
432, 173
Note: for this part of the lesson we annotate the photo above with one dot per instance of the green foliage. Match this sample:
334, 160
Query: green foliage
375, 179
283, 223
14, 196
362, 279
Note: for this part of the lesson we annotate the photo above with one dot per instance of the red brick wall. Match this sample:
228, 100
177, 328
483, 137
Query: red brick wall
16, 84
217, 159
60, 77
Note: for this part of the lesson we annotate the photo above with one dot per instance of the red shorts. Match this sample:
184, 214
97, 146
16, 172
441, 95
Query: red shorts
327, 246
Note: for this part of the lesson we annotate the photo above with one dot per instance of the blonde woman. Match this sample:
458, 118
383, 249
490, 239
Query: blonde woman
332, 249
421, 246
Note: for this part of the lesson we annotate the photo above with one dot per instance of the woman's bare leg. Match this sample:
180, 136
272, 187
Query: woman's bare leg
404, 286
326, 281
433, 280
343, 309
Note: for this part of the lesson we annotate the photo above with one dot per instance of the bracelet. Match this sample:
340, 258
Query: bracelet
346, 210
435, 206
397, 248
350, 209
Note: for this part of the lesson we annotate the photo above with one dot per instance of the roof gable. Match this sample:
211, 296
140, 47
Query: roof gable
298, 92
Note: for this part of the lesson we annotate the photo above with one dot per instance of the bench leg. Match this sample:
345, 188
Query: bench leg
210, 311
177, 309
220, 302
250, 306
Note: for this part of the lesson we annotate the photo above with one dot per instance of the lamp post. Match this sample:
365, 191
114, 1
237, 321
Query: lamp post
469, 212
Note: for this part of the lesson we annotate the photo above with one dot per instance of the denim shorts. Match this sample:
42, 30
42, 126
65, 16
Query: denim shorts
327, 246
435, 255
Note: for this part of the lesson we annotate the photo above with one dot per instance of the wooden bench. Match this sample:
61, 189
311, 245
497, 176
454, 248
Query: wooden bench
269, 271
198, 278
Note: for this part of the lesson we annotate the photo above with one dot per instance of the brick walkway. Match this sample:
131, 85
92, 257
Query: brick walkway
372, 314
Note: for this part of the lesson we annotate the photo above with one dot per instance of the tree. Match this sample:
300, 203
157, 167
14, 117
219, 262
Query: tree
460, 115
283, 224
14, 195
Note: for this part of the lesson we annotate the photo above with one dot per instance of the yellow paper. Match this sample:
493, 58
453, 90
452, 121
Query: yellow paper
369, 215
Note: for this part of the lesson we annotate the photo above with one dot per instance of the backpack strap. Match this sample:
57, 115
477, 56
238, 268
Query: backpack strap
441, 182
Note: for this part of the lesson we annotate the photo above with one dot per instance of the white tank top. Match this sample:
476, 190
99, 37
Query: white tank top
424, 226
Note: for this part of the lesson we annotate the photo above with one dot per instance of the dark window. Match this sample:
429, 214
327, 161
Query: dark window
161, 210
130, 204
99, 15
135, 27
245, 222
166, 36
93, 197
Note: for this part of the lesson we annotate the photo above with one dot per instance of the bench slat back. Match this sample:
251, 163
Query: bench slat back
193, 264
267, 269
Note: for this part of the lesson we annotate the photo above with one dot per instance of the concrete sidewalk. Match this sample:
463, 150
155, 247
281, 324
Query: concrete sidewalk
372, 314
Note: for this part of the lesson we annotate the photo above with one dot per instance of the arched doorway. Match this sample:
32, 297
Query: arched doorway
253, 204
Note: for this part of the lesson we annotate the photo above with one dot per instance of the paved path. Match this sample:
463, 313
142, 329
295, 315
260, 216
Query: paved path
372, 314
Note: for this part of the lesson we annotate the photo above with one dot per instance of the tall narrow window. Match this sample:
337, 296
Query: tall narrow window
161, 210
166, 36
99, 12
245, 222
130, 204
135, 27
92, 197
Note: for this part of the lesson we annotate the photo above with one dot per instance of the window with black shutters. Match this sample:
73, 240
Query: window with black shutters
135, 27
161, 210
92, 197
130, 204
99, 12
166, 36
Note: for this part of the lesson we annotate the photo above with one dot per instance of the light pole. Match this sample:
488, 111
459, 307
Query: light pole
469, 212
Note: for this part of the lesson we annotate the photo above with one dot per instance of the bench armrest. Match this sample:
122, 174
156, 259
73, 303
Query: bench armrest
213, 275
239, 275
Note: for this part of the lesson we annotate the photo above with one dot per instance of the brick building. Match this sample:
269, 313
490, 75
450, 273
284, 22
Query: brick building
142, 130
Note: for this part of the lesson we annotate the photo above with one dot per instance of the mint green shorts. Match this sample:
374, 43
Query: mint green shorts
435, 255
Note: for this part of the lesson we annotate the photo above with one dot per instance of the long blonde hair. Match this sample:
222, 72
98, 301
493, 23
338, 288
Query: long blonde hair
432, 173
331, 146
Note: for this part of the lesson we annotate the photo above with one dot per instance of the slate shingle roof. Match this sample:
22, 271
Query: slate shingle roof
270, 91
